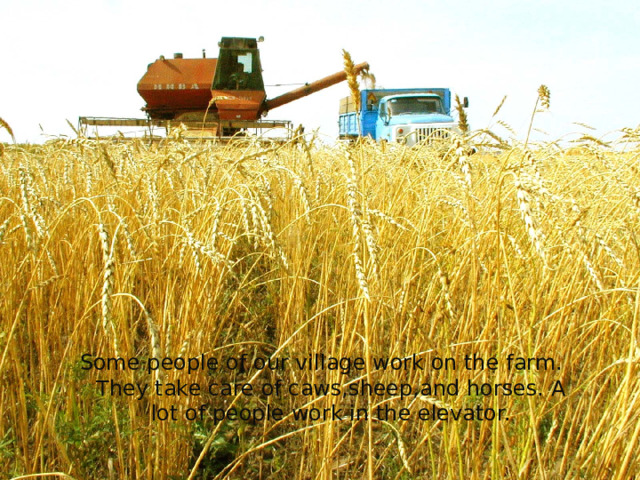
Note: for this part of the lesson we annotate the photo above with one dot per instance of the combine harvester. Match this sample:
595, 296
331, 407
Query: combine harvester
217, 97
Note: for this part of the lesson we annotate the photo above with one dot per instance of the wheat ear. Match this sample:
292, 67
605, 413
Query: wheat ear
352, 78
6, 126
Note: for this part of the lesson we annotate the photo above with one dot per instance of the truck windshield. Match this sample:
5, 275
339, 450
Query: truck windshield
415, 105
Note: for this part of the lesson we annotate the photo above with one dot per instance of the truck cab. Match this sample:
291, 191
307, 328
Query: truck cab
413, 118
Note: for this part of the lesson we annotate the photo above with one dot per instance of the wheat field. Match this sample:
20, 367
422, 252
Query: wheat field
267, 251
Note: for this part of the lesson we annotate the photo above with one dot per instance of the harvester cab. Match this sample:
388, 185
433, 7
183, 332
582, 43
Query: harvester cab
238, 89
238, 65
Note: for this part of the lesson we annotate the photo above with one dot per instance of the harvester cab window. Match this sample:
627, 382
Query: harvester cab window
238, 69
246, 62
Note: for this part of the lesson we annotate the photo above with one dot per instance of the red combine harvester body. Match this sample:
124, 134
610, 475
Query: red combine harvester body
177, 85
225, 95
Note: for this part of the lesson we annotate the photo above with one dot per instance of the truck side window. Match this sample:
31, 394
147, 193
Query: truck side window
371, 102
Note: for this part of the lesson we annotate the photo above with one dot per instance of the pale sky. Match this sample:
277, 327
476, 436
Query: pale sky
65, 59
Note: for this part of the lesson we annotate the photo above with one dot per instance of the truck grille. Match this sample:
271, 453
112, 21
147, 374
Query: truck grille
431, 134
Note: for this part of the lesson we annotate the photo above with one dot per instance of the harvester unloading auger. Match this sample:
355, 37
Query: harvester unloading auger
224, 95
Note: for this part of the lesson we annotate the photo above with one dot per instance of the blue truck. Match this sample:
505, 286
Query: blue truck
407, 115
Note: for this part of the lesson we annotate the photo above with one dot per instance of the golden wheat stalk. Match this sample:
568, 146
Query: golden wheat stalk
352, 78
544, 94
463, 121
107, 286
499, 107
5, 125
535, 234
543, 99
